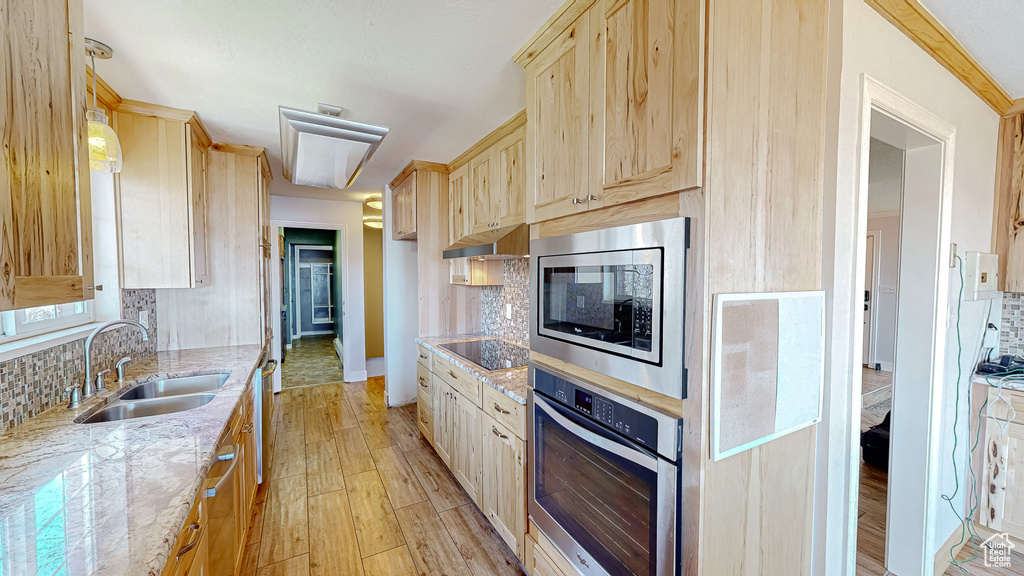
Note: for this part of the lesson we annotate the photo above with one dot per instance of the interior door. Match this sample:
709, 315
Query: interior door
869, 297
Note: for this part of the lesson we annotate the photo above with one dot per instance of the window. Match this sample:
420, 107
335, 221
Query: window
42, 319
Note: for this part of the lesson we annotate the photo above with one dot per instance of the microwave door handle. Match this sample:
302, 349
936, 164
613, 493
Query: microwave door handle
617, 448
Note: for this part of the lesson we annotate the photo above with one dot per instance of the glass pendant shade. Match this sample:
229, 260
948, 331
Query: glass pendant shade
375, 222
375, 202
104, 149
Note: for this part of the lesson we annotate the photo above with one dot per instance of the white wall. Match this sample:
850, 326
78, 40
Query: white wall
884, 300
348, 217
401, 315
872, 46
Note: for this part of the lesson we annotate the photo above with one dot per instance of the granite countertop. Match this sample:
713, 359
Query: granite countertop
1013, 384
511, 382
111, 498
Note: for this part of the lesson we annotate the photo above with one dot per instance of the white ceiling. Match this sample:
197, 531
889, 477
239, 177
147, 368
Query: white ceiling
439, 73
990, 31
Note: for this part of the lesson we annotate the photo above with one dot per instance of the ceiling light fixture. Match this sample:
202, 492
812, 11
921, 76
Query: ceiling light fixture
375, 201
321, 149
375, 222
104, 148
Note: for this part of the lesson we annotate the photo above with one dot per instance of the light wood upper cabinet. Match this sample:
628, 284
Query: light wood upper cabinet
510, 178
557, 133
645, 98
615, 105
403, 209
162, 197
45, 205
458, 214
483, 193
503, 485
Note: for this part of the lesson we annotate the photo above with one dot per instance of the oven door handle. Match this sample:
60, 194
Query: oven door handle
635, 456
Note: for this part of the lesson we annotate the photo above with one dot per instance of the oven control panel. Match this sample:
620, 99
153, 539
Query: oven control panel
633, 424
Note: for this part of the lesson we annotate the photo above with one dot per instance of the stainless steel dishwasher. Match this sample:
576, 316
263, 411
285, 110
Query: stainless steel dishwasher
264, 401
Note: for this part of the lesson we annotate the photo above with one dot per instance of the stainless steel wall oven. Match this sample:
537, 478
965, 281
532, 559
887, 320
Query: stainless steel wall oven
613, 301
604, 477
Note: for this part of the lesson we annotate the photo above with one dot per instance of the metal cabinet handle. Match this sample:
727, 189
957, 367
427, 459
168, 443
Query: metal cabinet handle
424, 420
577, 201
592, 197
498, 434
192, 543
500, 409
228, 475
423, 383
423, 356
453, 374
247, 429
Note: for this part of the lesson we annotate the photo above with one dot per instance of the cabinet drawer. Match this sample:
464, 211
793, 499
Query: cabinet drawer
505, 410
425, 417
462, 381
539, 561
186, 543
424, 356
999, 408
423, 380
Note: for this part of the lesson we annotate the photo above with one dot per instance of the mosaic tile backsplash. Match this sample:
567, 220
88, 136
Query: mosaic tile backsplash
34, 383
1013, 324
516, 292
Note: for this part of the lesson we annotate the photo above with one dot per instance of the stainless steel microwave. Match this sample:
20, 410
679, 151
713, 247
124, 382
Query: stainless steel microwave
614, 301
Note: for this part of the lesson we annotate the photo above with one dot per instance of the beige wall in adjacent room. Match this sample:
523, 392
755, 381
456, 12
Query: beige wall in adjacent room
373, 292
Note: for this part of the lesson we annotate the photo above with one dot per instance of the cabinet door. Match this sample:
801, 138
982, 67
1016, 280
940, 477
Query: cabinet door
44, 171
466, 445
645, 98
557, 141
503, 484
484, 213
443, 412
1004, 457
403, 204
197, 193
510, 159
458, 213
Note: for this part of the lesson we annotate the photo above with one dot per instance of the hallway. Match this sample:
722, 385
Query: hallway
355, 490
311, 360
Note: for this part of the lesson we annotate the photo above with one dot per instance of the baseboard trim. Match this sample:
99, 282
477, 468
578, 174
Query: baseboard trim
375, 367
355, 376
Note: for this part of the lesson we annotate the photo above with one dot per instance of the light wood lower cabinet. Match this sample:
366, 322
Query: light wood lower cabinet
466, 445
1003, 497
503, 482
208, 521
483, 447
542, 559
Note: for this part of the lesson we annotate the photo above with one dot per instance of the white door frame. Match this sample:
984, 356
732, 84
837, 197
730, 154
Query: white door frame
913, 481
299, 333
876, 269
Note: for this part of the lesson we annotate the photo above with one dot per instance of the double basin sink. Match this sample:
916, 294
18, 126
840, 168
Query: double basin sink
161, 397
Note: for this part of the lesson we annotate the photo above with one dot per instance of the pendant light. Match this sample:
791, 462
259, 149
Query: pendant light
375, 202
375, 222
104, 149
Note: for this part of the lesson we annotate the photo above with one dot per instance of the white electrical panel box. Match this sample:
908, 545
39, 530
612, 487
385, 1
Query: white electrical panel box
981, 275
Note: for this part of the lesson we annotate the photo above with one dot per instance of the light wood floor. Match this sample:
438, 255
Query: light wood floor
355, 490
311, 360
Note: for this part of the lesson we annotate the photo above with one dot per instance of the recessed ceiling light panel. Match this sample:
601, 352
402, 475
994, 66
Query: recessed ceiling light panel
320, 149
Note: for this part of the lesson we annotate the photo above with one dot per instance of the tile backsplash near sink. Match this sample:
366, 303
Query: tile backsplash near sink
494, 303
34, 383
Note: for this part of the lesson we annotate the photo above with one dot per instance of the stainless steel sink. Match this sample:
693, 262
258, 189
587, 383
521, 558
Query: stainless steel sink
176, 387
155, 407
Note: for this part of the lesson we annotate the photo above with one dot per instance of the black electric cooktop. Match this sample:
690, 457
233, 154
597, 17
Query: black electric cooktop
492, 354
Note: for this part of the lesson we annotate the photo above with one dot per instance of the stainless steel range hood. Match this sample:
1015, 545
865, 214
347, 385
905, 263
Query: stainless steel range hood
500, 243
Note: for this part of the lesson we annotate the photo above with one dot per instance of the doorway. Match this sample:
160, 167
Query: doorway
880, 297
311, 296
907, 494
